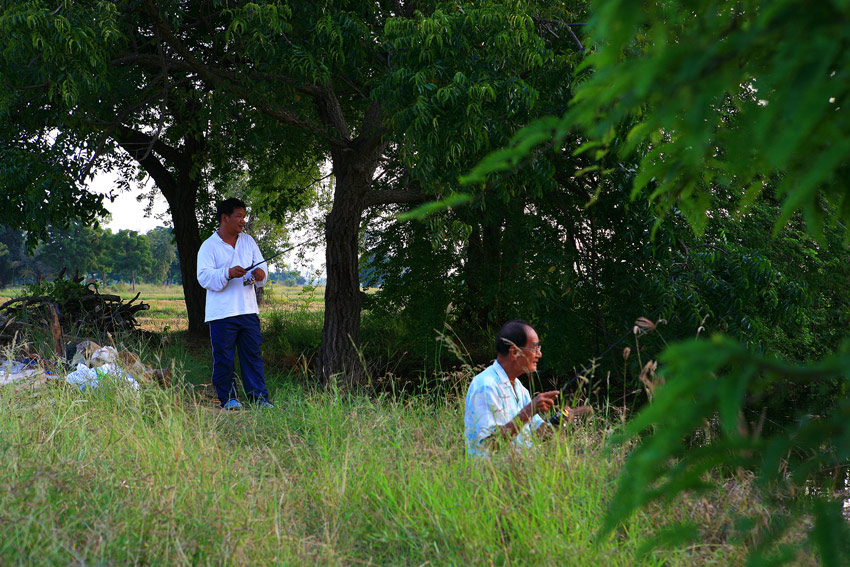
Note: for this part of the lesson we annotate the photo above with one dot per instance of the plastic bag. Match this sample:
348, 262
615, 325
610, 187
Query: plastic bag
89, 378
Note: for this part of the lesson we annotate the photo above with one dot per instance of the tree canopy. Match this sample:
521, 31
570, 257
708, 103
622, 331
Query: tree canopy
82, 93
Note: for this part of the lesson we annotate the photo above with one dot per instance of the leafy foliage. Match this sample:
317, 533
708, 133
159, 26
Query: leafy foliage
162, 251
721, 377
78, 249
59, 290
722, 102
761, 109
44, 171
714, 95
128, 253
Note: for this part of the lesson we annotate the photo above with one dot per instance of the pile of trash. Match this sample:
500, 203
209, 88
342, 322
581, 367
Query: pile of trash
87, 365
17, 370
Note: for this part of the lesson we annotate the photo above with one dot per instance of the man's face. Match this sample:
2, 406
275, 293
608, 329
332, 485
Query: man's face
234, 222
530, 353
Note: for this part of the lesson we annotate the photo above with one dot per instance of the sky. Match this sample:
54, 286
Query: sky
127, 213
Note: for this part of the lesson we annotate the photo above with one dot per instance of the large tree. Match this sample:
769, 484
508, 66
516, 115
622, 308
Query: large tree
87, 87
324, 73
329, 70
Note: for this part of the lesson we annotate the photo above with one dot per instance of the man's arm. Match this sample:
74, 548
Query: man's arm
541, 403
210, 277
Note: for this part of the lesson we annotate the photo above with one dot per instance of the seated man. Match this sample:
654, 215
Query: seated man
497, 404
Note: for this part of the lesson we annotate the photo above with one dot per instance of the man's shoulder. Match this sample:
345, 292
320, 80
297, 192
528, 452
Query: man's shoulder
245, 238
211, 240
488, 376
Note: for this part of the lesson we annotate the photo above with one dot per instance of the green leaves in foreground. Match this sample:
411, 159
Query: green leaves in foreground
742, 95
424, 211
721, 378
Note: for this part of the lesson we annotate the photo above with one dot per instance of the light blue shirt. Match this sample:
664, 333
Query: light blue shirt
491, 402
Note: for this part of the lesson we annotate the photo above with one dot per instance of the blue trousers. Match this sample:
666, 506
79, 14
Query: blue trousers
226, 335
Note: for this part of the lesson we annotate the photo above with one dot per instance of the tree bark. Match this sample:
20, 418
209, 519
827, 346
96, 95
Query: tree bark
188, 238
483, 273
338, 358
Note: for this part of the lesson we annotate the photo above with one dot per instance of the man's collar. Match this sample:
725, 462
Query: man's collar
500, 371
218, 233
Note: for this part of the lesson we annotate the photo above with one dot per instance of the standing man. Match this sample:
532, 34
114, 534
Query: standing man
497, 404
231, 309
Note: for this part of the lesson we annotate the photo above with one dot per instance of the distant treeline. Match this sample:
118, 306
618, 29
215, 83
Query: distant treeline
100, 255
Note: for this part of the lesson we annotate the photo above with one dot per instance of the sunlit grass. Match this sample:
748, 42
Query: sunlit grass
328, 477
325, 478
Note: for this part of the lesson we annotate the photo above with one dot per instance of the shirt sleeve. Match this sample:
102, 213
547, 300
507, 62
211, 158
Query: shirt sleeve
210, 277
525, 399
536, 422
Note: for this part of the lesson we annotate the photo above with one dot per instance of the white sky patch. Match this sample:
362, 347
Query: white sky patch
127, 212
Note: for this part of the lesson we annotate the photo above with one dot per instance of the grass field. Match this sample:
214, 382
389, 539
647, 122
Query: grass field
167, 311
157, 478
162, 477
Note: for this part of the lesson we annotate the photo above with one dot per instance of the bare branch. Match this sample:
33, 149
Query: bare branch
547, 25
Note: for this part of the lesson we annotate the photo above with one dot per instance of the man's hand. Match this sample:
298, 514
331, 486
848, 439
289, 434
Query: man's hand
571, 415
580, 412
543, 402
259, 274
236, 272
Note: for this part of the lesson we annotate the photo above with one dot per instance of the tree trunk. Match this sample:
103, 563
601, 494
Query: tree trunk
181, 192
483, 274
338, 358
188, 238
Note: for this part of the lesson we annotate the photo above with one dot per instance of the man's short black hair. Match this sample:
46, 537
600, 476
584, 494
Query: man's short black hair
512, 333
227, 207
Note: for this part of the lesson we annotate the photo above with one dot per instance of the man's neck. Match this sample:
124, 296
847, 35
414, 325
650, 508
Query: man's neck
228, 238
509, 368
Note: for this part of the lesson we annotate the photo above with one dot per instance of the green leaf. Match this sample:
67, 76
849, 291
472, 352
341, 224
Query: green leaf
424, 211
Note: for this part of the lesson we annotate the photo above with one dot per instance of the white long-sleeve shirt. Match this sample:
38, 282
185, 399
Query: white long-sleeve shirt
226, 298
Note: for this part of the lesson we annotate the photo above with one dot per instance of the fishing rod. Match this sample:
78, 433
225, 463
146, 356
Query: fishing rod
250, 281
272, 257
565, 411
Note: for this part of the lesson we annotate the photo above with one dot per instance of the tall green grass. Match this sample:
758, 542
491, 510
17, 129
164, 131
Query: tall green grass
155, 478
327, 478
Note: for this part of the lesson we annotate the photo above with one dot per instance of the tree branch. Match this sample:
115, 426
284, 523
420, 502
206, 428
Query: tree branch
393, 197
142, 144
234, 83
330, 111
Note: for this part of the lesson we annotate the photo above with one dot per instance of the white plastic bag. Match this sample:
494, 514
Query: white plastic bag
104, 355
84, 377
